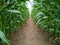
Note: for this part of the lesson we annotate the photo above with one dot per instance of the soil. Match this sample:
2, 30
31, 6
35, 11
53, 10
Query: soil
30, 34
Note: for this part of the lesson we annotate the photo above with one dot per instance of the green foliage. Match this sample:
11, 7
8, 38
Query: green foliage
13, 14
46, 14
4, 39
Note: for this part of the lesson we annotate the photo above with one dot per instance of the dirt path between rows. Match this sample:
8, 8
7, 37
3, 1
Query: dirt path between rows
30, 34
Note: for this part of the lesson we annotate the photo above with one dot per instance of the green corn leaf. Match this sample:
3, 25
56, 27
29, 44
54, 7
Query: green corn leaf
3, 38
14, 11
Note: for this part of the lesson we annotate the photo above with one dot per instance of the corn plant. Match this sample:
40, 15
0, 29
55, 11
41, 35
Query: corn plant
13, 14
46, 14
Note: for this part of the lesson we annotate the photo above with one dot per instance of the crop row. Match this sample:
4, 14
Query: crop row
13, 14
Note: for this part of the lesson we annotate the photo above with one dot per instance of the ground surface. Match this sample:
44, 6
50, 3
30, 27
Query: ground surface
30, 34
